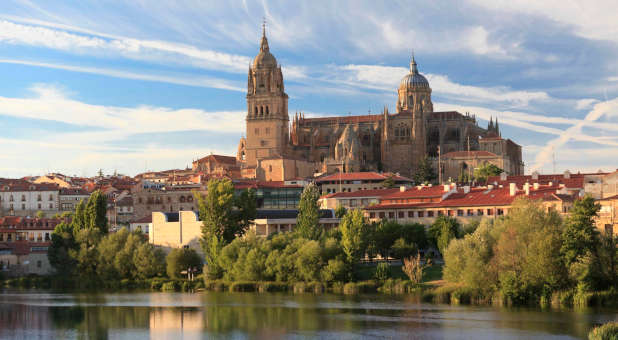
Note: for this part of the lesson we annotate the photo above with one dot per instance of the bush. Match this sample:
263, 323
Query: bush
335, 270
243, 287
608, 331
170, 286
350, 288
337, 287
383, 271
180, 259
272, 287
367, 287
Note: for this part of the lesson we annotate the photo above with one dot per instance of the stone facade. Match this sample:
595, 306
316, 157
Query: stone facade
394, 142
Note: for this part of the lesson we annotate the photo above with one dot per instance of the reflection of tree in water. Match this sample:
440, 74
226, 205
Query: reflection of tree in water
66, 317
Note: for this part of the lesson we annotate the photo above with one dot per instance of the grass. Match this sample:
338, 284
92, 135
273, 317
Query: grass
608, 331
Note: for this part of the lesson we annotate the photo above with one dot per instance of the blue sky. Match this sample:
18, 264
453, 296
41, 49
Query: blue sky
136, 85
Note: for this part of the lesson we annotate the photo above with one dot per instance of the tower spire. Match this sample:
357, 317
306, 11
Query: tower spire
264, 43
413, 67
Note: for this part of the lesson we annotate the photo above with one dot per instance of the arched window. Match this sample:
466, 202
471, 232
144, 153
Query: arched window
256, 111
267, 110
261, 110
270, 168
182, 199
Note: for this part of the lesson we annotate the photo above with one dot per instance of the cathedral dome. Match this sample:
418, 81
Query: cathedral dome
264, 59
414, 79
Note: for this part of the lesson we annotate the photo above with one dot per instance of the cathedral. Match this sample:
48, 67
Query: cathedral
274, 149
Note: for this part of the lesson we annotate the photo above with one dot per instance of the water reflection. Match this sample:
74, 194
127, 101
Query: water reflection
26, 315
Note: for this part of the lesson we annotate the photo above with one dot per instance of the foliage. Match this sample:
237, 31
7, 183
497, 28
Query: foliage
340, 211
482, 173
607, 331
580, 234
353, 235
413, 267
79, 217
40, 214
308, 213
95, 213
442, 231
62, 241
180, 259
149, 262
382, 272
402, 249
389, 182
424, 173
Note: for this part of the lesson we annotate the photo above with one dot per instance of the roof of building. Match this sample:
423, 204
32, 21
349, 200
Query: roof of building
145, 219
73, 191
574, 180
418, 192
14, 185
218, 159
362, 193
362, 176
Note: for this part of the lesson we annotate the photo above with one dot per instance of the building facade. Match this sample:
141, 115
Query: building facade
394, 142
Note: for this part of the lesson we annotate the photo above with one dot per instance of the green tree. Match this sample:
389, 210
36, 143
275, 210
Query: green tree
180, 259
580, 234
40, 214
309, 213
402, 249
86, 254
424, 172
216, 211
384, 236
340, 211
353, 236
149, 261
442, 231
246, 205
95, 216
482, 173
62, 242
79, 218
389, 182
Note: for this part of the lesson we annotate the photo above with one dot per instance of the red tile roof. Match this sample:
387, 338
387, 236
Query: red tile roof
218, 159
362, 176
417, 192
362, 193
13, 185
575, 180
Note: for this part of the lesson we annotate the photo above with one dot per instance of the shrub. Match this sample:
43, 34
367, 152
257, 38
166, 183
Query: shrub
170, 286
608, 331
367, 287
272, 287
337, 287
413, 268
243, 287
335, 270
350, 288
299, 287
383, 271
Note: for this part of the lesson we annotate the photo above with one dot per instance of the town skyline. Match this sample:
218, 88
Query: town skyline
132, 96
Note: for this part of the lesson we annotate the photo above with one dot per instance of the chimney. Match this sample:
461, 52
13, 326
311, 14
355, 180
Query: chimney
567, 174
535, 185
447, 188
512, 189
535, 175
402, 188
551, 184
527, 188
466, 189
489, 187
503, 176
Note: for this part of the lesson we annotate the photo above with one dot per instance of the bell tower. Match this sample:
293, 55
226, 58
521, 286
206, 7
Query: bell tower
267, 107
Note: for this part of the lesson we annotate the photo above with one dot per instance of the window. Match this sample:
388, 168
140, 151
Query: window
39, 205
371, 215
11, 198
38, 264
267, 129
51, 206
500, 212
470, 212
182, 199
257, 131
421, 214
381, 214
410, 214
23, 207
460, 212
391, 214
189, 198
38, 198
440, 213
23, 198
479, 212
490, 212
47, 237
400, 214
51, 197
430, 213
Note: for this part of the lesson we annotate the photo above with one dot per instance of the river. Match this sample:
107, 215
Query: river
212, 315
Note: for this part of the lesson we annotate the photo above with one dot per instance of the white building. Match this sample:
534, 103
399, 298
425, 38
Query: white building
22, 198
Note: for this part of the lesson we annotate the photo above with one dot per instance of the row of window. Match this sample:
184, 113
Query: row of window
23, 198
433, 213
159, 200
23, 206
257, 131
25, 236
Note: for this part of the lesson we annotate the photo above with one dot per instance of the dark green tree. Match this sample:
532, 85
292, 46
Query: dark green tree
580, 234
62, 242
149, 261
308, 213
424, 172
482, 173
180, 259
384, 236
96, 212
442, 231
402, 249
389, 182
340, 211
246, 205
79, 217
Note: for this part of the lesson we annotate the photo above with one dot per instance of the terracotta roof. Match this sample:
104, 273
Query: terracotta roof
417, 192
362, 193
21, 185
477, 153
73, 191
362, 176
145, 219
575, 180
218, 159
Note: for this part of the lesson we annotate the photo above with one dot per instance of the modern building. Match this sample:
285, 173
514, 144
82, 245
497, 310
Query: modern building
274, 194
